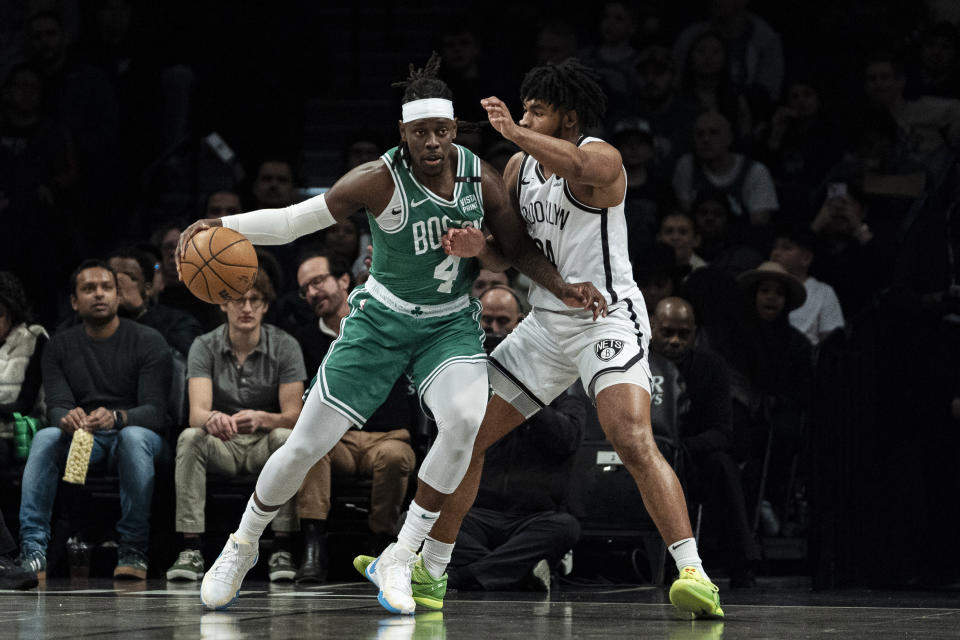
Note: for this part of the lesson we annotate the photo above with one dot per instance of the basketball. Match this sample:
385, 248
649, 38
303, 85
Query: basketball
218, 265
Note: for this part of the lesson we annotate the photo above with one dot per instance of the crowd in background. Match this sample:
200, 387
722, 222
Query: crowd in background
792, 179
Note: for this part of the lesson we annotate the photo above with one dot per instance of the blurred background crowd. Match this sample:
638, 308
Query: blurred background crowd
792, 180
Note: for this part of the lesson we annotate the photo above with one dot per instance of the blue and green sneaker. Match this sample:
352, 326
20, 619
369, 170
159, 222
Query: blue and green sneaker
427, 591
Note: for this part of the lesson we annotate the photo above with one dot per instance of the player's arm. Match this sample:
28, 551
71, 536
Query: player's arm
501, 211
596, 164
472, 243
360, 187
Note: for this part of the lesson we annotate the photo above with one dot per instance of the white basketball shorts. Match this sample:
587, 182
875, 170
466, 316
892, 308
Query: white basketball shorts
549, 350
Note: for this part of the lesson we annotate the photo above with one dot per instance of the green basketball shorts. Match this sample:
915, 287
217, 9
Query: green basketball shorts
383, 338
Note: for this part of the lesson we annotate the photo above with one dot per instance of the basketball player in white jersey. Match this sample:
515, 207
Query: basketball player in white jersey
570, 190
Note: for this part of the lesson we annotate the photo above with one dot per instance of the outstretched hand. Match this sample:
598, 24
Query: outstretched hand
584, 295
468, 242
188, 233
499, 116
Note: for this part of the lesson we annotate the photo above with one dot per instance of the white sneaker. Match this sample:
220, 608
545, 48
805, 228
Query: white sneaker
221, 584
391, 572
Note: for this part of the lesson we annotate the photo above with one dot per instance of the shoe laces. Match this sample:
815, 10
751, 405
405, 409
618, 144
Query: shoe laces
281, 557
398, 571
691, 573
7, 563
33, 561
227, 567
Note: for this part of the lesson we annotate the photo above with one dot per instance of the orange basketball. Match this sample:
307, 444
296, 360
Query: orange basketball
219, 264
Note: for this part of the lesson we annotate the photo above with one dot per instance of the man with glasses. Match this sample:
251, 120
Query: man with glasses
381, 450
245, 383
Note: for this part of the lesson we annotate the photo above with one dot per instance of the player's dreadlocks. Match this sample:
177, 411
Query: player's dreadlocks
569, 85
425, 83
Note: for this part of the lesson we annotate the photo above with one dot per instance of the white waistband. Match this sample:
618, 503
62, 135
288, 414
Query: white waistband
383, 295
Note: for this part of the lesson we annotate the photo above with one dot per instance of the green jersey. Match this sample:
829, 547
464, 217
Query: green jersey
408, 258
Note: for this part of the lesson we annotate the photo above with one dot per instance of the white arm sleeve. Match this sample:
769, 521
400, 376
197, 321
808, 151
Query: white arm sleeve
280, 226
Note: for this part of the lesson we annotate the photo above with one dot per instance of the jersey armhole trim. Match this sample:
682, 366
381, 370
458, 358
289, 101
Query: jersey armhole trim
584, 207
397, 190
523, 165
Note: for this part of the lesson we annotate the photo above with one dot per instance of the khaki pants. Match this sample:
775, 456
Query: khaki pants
199, 453
386, 456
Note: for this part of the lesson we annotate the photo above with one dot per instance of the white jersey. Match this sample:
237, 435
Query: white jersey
585, 243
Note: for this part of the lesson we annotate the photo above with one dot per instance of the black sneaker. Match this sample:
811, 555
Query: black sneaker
13, 577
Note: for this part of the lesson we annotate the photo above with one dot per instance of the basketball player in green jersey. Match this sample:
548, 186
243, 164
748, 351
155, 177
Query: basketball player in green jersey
413, 316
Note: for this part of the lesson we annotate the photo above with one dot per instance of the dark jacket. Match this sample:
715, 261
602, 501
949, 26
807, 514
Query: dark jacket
528, 470
706, 425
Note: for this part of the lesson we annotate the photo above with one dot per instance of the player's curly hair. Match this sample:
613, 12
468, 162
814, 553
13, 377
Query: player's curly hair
425, 83
569, 85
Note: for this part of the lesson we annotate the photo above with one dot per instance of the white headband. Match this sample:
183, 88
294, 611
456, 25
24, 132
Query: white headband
427, 108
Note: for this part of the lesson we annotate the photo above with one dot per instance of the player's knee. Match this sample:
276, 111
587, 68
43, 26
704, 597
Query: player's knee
462, 422
636, 446
458, 449
305, 450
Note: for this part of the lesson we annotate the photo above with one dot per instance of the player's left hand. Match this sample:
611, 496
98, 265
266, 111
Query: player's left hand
585, 295
499, 116
468, 242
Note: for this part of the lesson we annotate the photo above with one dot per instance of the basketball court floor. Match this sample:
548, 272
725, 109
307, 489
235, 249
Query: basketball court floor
780, 608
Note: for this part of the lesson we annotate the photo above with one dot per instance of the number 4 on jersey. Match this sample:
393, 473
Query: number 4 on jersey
447, 272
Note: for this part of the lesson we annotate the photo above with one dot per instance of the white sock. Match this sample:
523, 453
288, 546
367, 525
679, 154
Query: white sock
416, 527
685, 554
253, 522
436, 556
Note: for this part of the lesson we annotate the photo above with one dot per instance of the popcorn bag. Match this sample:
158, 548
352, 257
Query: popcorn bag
79, 457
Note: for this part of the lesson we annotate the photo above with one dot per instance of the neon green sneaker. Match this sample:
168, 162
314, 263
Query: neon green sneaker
427, 591
694, 594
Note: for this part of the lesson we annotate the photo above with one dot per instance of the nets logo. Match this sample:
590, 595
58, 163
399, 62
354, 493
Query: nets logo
607, 350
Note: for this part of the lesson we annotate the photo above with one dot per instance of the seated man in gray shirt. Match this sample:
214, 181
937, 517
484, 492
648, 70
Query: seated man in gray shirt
245, 382
112, 377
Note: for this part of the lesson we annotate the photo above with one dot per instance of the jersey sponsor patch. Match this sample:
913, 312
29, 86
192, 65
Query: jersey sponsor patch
469, 203
607, 350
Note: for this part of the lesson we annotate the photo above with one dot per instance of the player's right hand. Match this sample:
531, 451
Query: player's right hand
499, 116
468, 242
586, 296
188, 233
